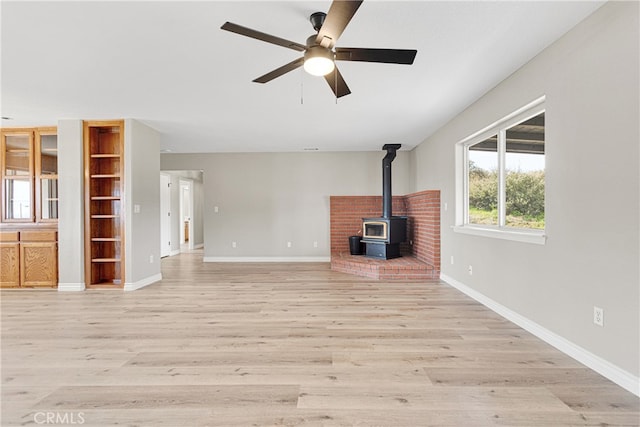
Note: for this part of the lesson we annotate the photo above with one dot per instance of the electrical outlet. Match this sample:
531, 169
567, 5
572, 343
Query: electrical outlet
150, 259
288, 244
598, 316
233, 244
315, 244
451, 259
470, 270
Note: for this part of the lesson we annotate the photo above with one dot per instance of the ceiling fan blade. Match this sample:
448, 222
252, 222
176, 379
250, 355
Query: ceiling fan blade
338, 17
337, 83
280, 71
244, 31
389, 56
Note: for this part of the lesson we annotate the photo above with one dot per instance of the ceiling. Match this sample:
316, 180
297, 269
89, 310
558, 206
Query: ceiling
169, 65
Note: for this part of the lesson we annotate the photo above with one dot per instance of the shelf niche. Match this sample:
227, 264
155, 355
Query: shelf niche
104, 209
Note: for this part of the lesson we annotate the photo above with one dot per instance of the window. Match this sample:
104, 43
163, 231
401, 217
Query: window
501, 179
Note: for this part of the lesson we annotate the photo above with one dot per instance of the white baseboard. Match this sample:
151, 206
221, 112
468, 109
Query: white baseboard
267, 259
619, 376
142, 283
198, 246
175, 252
71, 287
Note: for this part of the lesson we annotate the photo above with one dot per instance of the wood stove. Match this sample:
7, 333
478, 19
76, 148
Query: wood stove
383, 235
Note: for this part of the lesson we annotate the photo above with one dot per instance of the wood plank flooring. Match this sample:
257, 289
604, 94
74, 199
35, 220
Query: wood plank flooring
286, 345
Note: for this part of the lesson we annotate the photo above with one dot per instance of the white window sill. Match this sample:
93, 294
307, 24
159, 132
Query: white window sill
526, 236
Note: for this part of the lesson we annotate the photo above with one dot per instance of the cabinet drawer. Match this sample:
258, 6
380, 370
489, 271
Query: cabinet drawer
38, 236
9, 236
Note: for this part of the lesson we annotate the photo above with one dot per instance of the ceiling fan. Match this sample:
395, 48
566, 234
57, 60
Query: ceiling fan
320, 52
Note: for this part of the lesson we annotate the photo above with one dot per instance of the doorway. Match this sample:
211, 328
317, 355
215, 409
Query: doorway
182, 222
186, 210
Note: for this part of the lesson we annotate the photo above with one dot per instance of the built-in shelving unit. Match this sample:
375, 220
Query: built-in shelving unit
104, 208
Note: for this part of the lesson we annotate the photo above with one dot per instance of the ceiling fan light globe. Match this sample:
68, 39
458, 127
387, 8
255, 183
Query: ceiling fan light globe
318, 66
318, 61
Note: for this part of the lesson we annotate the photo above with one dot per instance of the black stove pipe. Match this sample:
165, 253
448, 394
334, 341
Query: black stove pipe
387, 200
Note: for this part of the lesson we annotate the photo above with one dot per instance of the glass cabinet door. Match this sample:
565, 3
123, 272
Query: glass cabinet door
47, 174
17, 176
17, 198
49, 198
17, 154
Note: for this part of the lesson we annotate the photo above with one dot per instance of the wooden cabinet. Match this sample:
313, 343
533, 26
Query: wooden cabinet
29, 208
9, 259
29, 175
38, 258
28, 258
104, 208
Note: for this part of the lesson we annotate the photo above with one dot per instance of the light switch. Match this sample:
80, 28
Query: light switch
136, 208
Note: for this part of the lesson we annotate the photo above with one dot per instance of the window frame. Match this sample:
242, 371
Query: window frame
499, 128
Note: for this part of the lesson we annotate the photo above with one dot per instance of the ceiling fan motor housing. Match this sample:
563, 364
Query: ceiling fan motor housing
311, 41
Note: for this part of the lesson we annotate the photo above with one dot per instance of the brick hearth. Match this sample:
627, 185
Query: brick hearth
407, 267
421, 254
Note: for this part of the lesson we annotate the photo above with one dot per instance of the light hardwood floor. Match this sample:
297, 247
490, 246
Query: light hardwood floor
286, 344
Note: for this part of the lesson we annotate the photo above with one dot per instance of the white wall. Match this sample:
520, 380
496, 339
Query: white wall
265, 200
175, 213
197, 234
142, 230
71, 206
590, 79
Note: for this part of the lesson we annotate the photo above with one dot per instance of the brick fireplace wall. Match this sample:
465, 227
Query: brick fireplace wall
423, 224
424, 210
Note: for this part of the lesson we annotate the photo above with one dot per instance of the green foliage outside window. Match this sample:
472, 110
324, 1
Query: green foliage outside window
524, 197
